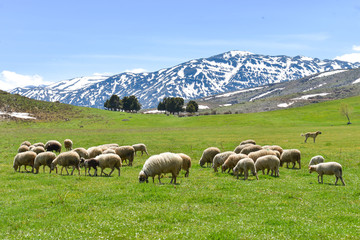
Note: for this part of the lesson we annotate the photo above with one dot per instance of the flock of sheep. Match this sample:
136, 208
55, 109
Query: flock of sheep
248, 156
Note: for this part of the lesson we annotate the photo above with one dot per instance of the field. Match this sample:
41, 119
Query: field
206, 205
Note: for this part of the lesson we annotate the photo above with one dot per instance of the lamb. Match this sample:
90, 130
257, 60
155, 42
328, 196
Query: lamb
220, 158
255, 155
269, 162
249, 141
68, 144
316, 160
162, 163
44, 159
126, 152
66, 159
231, 162
241, 147
275, 148
23, 148
108, 145
38, 149
251, 148
290, 155
109, 160
53, 145
27, 143
244, 165
186, 165
24, 158
311, 134
94, 151
89, 163
140, 147
328, 168
208, 156
83, 153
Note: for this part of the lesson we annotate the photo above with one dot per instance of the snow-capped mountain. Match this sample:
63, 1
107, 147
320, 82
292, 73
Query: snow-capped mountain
198, 78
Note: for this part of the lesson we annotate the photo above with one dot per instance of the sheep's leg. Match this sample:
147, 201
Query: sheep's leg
319, 178
44, 169
72, 170
78, 168
293, 165
118, 168
306, 138
67, 171
159, 178
342, 180
187, 173
263, 172
246, 172
322, 179
268, 170
255, 174
173, 178
337, 178
61, 170
154, 179
111, 172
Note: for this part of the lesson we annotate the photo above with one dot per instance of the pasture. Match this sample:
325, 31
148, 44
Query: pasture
206, 205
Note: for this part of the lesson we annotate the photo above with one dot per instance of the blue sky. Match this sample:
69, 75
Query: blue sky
44, 41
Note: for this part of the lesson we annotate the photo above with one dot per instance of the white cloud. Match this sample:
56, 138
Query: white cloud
136, 70
10, 80
350, 57
356, 48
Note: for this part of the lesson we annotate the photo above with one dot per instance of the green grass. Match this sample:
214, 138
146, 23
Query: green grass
206, 205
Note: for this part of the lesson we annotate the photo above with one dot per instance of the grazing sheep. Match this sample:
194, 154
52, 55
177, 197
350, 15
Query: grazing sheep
290, 155
83, 153
38, 149
109, 160
274, 148
244, 165
186, 165
162, 163
310, 134
68, 144
231, 162
24, 158
53, 145
220, 158
328, 168
65, 160
94, 151
208, 156
23, 148
316, 160
44, 159
251, 148
39, 144
126, 152
269, 162
108, 145
109, 150
238, 149
140, 147
249, 141
89, 163
27, 143
255, 155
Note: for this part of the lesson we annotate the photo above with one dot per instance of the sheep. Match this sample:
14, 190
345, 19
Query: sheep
244, 165
316, 160
23, 148
108, 145
208, 155
269, 162
94, 151
66, 159
24, 158
44, 159
68, 144
126, 152
140, 147
241, 147
186, 165
290, 155
251, 148
109, 160
89, 163
39, 144
220, 158
310, 134
162, 163
38, 149
255, 155
328, 168
249, 141
53, 145
27, 143
109, 150
231, 162
274, 147
83, 153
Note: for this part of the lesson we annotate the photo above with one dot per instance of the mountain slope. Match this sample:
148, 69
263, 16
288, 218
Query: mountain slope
198, 78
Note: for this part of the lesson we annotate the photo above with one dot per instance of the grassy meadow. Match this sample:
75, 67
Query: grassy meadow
206, 205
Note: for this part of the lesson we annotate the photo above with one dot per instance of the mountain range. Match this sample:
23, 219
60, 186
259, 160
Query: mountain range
199, 78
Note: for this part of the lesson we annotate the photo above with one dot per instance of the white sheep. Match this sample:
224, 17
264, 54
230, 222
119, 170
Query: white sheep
208, 155
65, 160
94, 151
39, 144
269, 162
274, 147
231, 162
249, 141
263, 152
316, 160
109, 160
126, 153
23, 148
27, 143
108, 145
24, 158
68, 144
238, 149
38, 149
251, 148
244, 165
220, 158
140, 147
186, 163
162, 163
328, 168
290, 155
44, 159
109, 150
83, 153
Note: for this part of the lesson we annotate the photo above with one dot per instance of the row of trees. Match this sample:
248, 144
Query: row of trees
176, 105
129, 104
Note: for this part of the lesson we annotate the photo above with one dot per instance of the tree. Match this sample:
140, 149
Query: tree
114, 103
345, 110
171, 104
192, 107
131, 104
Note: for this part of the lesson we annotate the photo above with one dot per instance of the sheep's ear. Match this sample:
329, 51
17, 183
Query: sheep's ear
309, 167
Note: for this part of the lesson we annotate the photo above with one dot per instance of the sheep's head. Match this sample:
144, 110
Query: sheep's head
312, 169
53, 165
82, 162
223, 168
201, 163
235, 171
15, 166
143, 177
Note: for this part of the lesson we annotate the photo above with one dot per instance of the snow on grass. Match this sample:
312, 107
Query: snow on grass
284, 105
356, 81
326, 74
225, 105
264, 94
201, 107
18, 115
320, 85
306, 97
154, 112
236, 92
